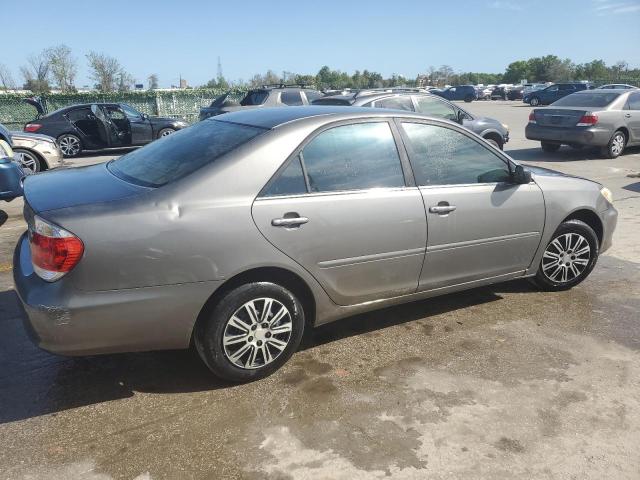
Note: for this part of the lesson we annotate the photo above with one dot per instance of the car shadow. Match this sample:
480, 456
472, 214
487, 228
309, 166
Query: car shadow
3, 217
565, 154
34, 382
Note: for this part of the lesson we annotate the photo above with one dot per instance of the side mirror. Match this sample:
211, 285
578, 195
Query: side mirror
145, 116
521, 176
460, 117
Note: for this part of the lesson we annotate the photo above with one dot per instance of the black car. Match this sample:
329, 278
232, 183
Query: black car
418, 100
276, 95
516, 93
499, 93
554, 92
96, 126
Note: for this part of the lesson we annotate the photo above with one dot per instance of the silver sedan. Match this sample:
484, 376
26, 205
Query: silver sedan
35, 152
240, 232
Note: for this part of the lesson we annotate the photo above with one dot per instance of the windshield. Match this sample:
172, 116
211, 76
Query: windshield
254, 97
587, 100
181, 153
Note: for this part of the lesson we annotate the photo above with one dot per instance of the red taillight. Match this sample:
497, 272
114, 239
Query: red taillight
587, 120
54, 251
32, 127
532, 118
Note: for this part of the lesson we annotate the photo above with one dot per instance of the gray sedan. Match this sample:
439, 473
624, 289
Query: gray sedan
416, 100
609, 119
240, 232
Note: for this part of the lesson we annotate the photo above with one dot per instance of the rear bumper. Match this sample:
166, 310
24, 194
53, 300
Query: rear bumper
592, 136
64, 320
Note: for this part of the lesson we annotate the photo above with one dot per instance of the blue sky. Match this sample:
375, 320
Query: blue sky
185, 38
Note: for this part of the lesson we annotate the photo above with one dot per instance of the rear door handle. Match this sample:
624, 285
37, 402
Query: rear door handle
442, 209
289, 222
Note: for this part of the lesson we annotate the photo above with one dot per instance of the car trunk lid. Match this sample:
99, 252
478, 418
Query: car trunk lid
76, 186
558, 117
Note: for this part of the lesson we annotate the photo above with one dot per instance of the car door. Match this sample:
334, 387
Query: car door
480, 225
632, 116
119, 125
88, 128
341, 207
141, 129
107, 130
549, 94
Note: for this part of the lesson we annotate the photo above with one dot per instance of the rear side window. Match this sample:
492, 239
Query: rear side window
289, 182
78, 114
311, 95
291, 98
634, 101
182, 153
255, 97
587, 100
397, 103
436, 108
443, 156
353, 157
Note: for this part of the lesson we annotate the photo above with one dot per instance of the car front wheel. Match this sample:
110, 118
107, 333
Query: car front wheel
165, 132
70, 145
468, 98
28, 160
534, 102
616, 145
251, 332
569, 256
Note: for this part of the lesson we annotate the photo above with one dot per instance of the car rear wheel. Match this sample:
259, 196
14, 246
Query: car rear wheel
165, 132
550, 147
29, 161
468, 98
251, 332
534, 101
616, 145
569, 256
70, 145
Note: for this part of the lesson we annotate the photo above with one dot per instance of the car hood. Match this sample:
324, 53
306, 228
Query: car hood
547, 172
32, 136
70, 187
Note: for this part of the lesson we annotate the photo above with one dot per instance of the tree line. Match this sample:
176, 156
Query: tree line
57, 67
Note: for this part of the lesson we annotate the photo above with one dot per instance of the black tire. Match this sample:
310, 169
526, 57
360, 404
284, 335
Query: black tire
166, 132
210, 333
31, 163
468, 98
616, 145
494, 142
70, 145
544, 280
534, 101
550, 147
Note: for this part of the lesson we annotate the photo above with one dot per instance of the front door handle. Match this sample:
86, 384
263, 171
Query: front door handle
628, 115
289, 221
442, 209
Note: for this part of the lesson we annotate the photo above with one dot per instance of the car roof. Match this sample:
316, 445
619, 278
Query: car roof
273, 117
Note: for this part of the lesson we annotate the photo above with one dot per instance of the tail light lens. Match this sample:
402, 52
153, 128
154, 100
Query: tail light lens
54, 251
587, 120
32, 127
532, 118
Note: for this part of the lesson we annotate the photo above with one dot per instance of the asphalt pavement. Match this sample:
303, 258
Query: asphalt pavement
501, 382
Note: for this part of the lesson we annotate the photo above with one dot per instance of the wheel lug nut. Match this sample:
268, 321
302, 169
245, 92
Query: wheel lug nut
253, 327
265, 325
259, 343
250, 339
268, 335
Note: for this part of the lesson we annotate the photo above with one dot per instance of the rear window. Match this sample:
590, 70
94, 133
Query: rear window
586, 100
255, 97
181, 153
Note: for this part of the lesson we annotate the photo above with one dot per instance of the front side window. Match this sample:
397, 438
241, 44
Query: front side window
443, 156
353, 157
130, 112
436, 108
291, 98
181, 153
396, 103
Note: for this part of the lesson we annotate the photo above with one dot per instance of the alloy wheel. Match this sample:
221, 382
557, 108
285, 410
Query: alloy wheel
566, 257
30, 164
166, 132
69, 145
257, 333
617, 144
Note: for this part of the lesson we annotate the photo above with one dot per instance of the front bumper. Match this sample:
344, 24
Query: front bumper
65, 320
609, 219
589, 136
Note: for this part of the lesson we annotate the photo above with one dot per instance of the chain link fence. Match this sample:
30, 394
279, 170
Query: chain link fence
184, 104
